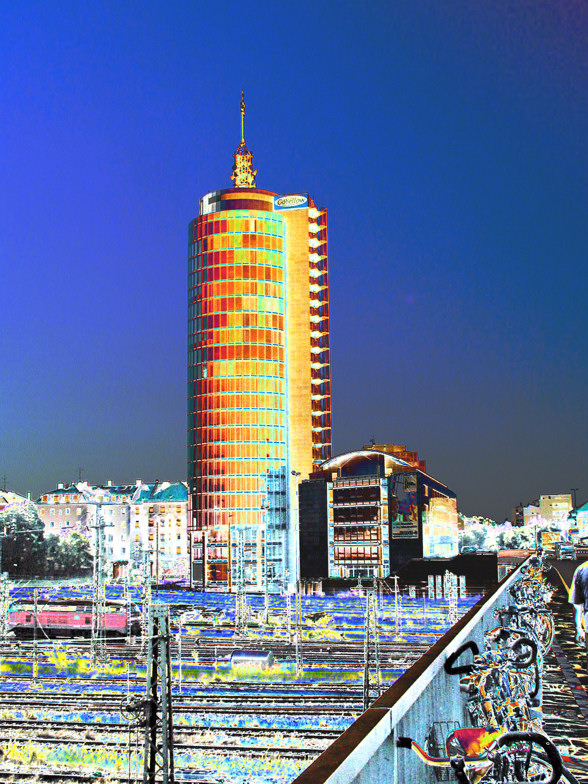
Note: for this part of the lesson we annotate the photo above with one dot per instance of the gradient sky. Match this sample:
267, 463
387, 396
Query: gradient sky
446, 139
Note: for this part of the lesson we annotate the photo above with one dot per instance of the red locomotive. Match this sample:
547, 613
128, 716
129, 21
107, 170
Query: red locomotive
69, 618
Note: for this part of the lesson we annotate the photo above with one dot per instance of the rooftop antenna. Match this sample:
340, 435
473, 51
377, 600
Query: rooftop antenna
243, 174
81, 469
4, 482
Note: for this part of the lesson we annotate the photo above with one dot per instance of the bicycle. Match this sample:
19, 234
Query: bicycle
499, 684
535, 621
475, 754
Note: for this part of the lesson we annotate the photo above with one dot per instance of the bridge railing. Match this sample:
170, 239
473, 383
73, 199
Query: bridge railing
422, 699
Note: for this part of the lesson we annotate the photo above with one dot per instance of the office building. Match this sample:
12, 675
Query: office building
549, 510
367, 513
259, 412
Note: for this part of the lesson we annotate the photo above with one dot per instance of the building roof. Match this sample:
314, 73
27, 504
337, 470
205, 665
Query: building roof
390, 461
111, 494
162, 491
7, 497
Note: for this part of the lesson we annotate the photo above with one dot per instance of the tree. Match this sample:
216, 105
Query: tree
67, 557
474, 536
26, 552
77, 558
22, 541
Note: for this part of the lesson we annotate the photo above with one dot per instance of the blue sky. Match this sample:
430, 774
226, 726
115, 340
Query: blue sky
447, 141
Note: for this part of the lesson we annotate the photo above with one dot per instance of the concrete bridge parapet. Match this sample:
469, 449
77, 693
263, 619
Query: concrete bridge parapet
422, 697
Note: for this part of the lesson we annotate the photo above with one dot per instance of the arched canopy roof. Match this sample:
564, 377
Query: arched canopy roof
341, 462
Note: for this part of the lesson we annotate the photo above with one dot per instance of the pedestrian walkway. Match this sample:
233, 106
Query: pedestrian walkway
565, 692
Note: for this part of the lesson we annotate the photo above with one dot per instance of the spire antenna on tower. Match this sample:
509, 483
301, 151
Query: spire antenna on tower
243, 174
242, 116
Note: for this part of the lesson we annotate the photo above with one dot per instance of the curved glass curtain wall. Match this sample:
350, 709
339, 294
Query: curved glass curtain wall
237, 396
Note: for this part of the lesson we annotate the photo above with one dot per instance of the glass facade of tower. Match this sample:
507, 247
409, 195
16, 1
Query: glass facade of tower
258, 380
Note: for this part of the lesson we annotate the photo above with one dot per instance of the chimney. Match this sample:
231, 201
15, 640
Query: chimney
138, 483
60, 485
109, 483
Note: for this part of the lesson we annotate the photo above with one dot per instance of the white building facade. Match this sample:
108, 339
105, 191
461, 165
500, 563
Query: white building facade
141, 523
549, 510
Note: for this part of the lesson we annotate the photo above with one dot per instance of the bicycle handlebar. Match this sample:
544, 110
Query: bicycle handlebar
462, 669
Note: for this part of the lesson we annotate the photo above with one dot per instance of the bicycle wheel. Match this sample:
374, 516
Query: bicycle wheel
527, 757
565, 777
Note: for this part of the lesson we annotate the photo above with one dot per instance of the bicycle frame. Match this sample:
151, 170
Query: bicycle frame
475, 753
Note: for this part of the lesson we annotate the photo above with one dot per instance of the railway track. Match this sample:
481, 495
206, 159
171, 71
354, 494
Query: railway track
56, 702
183, 729
194, 687
71, 691
246, 750
209, 651
13, 776
234, 701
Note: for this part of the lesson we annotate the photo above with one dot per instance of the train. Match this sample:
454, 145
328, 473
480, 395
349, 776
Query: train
71, 618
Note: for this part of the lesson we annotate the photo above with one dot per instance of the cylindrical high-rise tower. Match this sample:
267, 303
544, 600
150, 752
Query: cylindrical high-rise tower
258, 377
